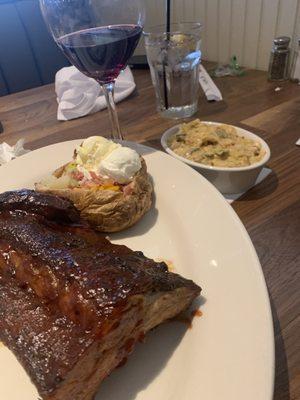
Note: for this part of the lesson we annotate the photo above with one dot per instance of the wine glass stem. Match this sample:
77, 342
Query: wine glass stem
108, 89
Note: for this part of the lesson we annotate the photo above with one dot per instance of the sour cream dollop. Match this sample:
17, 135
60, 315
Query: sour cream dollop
93, 150
120, 165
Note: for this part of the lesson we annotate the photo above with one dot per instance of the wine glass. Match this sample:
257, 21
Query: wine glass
98, 37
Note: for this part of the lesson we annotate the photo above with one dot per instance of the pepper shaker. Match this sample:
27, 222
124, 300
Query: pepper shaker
279, 59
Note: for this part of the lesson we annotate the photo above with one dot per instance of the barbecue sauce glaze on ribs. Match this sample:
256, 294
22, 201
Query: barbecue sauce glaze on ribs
72, 304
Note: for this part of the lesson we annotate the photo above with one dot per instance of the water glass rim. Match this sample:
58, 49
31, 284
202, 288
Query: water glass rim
175, 28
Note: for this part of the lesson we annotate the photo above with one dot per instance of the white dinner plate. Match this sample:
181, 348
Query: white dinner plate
229, 352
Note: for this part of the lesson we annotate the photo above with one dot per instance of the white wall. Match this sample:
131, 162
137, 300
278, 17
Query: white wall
245, 28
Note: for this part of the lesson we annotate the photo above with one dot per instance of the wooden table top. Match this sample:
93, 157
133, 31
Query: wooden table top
270, 211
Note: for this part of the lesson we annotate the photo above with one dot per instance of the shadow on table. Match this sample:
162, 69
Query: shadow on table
207, 108
263, 189
281, 390
153, 143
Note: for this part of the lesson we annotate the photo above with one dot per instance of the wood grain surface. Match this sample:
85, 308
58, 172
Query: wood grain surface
270, 211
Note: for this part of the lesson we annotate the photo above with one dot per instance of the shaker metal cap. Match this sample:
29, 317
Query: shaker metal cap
282, 41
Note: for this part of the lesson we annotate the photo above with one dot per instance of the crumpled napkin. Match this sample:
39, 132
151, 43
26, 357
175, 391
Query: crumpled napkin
7, 152
78, 95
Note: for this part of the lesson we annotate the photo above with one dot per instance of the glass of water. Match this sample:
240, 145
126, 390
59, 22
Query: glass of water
174, 59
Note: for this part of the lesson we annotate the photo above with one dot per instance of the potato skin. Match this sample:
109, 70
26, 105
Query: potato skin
107, 210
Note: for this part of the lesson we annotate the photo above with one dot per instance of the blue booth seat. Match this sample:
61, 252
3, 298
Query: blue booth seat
28, 55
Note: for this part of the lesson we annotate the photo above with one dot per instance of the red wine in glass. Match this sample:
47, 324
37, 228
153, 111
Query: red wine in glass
98, 37
102, 52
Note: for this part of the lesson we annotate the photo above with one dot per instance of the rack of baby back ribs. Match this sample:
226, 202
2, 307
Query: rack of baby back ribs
72, 304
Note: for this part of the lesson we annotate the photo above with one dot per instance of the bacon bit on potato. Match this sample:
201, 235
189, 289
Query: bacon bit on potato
77, 175
128, 189
94, 176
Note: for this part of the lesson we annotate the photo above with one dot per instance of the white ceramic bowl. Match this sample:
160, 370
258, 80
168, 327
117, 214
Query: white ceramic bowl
226, 180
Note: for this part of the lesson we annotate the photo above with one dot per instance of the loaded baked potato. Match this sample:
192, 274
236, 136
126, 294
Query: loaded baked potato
111, 195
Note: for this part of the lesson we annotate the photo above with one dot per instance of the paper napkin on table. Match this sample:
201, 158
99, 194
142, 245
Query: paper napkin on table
210, 89
78, 95
8, 152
